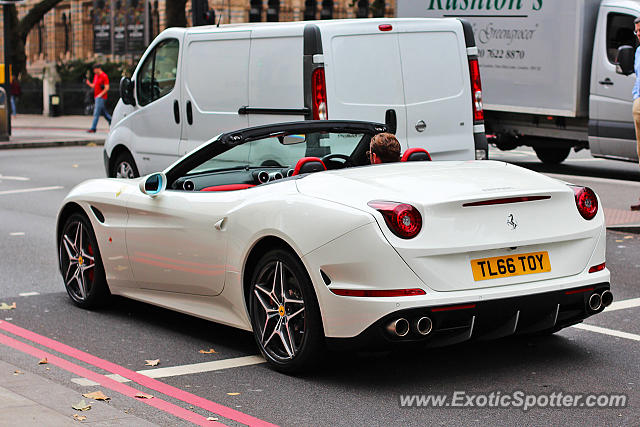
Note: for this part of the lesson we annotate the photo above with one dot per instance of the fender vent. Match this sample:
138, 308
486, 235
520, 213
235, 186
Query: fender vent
326, 279
98, 214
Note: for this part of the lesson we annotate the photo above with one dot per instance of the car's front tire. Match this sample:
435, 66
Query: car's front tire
284, 313
80, 263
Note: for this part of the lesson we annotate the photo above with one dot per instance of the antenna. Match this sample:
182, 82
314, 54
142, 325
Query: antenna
219, 19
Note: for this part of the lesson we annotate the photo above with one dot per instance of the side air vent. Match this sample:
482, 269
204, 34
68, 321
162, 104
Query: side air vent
98, 214
326, 279
188, 185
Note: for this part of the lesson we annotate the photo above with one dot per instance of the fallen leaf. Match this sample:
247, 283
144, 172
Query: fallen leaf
91, 144
233, 394
96, 395
43, 361
143, 396
75, 166
210, 351
152, 362
17, 372
82, 406
5, 306
212, 419
79, 417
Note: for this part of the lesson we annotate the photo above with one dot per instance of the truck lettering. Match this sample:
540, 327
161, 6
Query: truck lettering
481, 4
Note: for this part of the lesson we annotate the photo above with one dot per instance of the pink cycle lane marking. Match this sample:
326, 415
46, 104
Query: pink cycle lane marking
143, 380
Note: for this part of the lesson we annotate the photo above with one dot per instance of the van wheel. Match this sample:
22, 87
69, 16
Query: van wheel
552, 155
124, 167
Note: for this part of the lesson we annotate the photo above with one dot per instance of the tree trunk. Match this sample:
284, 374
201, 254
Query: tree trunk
176, 15
20, 30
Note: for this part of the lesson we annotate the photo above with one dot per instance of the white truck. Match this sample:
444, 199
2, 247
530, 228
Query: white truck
553, 75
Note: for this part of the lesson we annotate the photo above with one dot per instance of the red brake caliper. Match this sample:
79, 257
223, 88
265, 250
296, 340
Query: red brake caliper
90, 272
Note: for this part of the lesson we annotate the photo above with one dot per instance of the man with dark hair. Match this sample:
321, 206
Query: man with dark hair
100, 88
384, 148
636, 98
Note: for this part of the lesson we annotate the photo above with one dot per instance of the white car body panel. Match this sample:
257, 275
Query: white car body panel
325, 219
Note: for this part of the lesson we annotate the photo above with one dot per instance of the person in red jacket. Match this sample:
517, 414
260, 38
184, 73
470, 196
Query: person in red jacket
100, 88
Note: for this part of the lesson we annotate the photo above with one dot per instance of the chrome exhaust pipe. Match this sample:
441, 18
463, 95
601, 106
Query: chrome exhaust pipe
606, 298
424, 325
595, 301
399, 327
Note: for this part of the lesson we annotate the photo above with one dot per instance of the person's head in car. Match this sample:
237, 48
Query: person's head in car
384, 148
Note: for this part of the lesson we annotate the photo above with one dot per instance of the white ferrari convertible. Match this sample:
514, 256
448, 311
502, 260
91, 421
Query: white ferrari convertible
286, 230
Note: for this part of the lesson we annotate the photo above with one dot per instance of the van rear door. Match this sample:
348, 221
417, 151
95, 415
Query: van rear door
215, 69
436, 88
364, 74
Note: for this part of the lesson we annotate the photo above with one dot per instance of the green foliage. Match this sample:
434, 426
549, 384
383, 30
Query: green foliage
76, 71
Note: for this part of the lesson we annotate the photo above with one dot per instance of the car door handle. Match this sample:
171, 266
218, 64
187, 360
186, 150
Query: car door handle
606, 82
189, 113
176, 111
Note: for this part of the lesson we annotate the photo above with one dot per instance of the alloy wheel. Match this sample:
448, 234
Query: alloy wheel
77, 260
279, 309
125, 170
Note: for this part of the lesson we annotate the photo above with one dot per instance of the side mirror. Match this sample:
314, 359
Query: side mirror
154, 184
126, 91
625, 60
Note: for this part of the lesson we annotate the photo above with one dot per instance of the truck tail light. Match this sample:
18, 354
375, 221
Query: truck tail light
586, 202
319, 95
402, 219
476, 91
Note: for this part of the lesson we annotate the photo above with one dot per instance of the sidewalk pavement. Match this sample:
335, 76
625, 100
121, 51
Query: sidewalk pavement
27, 399
36, 130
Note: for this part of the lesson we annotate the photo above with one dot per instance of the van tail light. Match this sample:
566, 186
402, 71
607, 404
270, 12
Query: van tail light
586, 202
402, 219
319, 94
476, 91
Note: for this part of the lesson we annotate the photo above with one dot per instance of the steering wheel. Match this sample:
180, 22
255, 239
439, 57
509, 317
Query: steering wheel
335, 156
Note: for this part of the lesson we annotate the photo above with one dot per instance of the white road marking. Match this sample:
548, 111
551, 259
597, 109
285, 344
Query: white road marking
173, 371
620, 305
14, 178
237, 362
606, 331
31, 190
17, 233
29, 294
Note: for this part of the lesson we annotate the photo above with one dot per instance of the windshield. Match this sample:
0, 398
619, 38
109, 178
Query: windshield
282, 150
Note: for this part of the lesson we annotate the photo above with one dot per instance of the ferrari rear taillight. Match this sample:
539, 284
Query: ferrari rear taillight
402, 219
319, 95
476, 91
586, 202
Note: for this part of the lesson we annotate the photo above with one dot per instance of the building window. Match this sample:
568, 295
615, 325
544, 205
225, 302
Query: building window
273, 11
255, 12
65, 25
327, 9
363, 9
310, 7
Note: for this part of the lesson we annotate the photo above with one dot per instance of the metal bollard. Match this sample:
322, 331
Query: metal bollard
4, 113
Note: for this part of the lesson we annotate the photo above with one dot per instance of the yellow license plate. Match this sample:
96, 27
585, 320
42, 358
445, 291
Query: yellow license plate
510, 265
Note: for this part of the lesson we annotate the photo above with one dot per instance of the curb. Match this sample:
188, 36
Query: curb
64, 143
634, 228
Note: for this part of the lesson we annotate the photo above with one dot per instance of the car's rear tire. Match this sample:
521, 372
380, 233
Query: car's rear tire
284, 313
80, 263
552, 155
124, 166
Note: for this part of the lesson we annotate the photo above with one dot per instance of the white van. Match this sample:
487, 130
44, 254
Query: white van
417, 75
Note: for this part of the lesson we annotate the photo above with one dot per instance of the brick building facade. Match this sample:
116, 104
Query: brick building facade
67, 32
